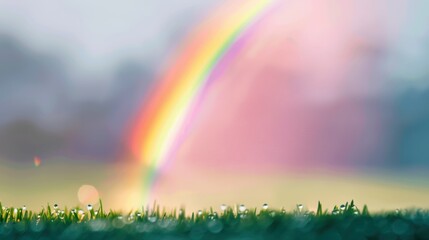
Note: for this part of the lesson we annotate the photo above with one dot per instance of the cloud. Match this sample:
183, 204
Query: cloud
83, 76
410, 134
22, 140
32, 85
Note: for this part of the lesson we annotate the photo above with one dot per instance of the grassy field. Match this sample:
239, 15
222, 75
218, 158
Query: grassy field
345, 221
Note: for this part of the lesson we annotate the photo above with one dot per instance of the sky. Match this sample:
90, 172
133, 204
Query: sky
326, 92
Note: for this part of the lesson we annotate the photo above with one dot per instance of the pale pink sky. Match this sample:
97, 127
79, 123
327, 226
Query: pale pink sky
297, 96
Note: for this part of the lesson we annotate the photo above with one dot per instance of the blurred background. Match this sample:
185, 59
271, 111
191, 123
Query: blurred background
328, 101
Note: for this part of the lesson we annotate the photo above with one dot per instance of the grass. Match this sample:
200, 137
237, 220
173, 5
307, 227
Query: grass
345, 221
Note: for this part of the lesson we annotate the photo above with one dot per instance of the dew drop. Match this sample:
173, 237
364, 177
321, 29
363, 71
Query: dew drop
242, 208
215, 226
265, 206
223, 207
335, 212
299, 206
24, 208
152, 219
200, 212
89, 207
55, 206
342, 207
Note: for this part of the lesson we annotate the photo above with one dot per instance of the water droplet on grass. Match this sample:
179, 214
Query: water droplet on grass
215, 226
55, 206
223, 207
24, 208
98, 225
335, 212
400, 227
342, 207
200, 212
265, 206
300, 206
152, 219
89, 207
242, 208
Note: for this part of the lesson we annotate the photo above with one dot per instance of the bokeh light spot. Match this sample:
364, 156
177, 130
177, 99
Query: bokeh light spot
37, 161
88, 194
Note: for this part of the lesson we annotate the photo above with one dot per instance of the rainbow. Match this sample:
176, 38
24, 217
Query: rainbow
165, 118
